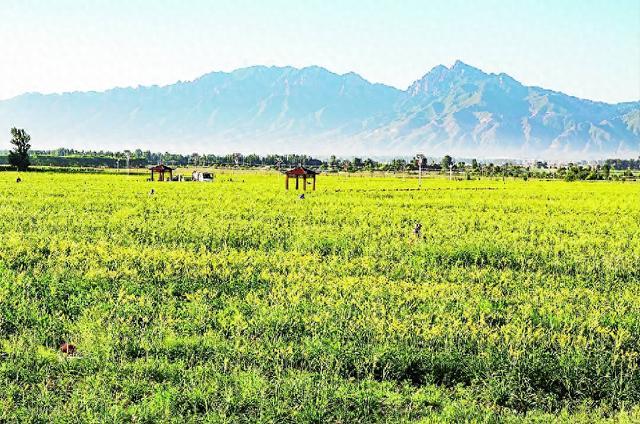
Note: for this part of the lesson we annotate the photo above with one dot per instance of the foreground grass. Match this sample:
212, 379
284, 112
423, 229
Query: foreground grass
237, 301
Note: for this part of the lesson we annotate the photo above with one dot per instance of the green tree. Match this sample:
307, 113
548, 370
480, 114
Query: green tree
369, 164
19, 155
333, 162
446, 161
606, 170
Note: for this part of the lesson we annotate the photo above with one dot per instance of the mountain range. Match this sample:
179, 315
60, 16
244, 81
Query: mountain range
459, 110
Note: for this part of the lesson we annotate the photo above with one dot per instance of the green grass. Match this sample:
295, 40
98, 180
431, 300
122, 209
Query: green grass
235, 301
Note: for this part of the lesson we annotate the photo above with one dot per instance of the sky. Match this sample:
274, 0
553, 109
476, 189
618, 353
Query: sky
585, 48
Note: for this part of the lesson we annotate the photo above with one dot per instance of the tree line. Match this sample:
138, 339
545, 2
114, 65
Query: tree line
21, 157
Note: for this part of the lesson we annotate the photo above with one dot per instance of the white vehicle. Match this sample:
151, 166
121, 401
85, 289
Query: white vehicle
202, 176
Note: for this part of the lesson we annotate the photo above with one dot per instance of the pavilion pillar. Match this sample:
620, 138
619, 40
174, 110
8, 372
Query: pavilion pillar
152, 175
314, 182
297, 186
286, 182
304, 183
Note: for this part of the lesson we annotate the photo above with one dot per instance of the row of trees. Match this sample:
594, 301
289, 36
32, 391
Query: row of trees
623, 164
20, 158
138, 158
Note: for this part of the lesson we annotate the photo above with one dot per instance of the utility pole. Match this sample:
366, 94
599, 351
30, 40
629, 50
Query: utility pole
450, 171
420, 158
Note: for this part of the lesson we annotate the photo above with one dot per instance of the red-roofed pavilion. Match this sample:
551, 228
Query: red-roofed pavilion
161, 170
300, 172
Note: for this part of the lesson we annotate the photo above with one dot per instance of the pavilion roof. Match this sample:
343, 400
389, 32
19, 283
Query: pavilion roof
160, 168
300, 170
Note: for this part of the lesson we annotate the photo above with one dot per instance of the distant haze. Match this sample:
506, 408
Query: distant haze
457, 110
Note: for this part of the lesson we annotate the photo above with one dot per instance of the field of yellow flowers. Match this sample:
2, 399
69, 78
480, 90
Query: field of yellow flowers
237, 301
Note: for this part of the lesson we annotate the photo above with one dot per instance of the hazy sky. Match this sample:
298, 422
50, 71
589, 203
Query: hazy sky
586, 48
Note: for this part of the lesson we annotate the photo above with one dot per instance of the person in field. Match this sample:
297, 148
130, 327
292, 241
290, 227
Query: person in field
417, 230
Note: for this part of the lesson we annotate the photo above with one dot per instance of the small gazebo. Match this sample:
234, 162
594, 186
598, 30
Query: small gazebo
300, 172
161, 170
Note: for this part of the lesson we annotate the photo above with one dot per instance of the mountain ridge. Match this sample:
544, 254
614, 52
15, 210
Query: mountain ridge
143, 86
458, 110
